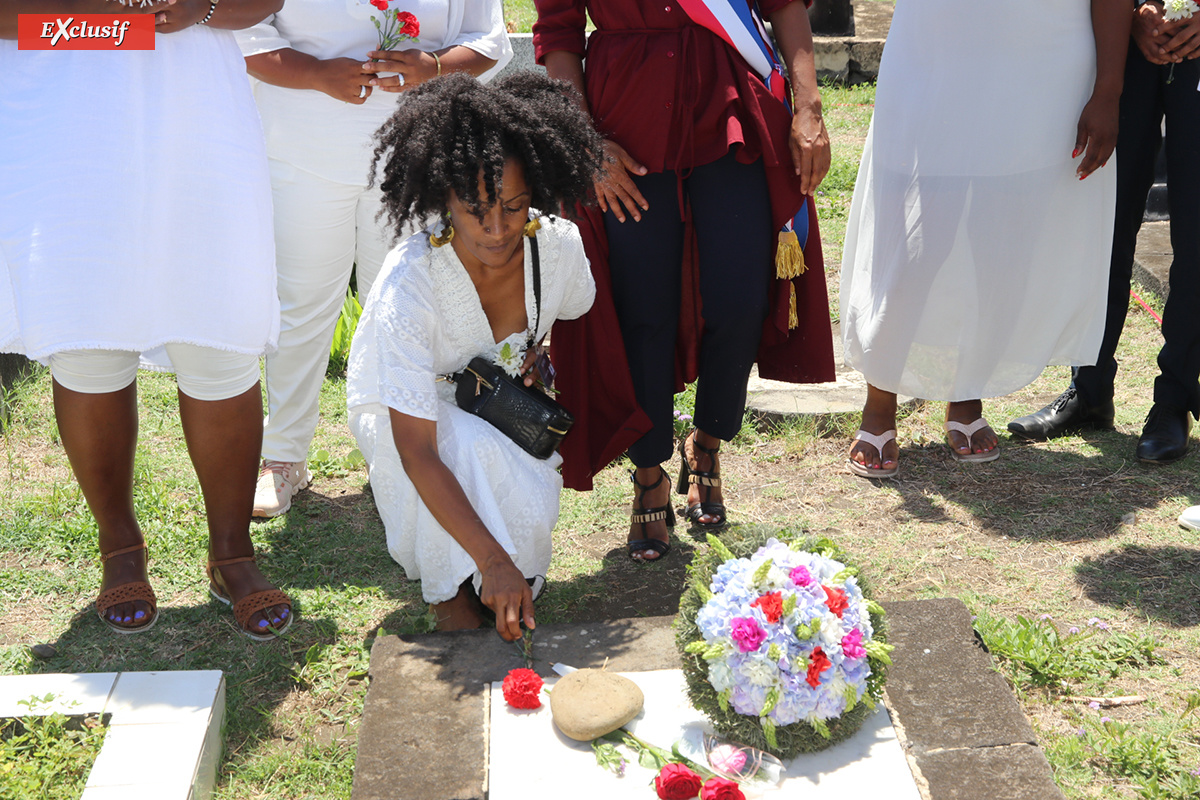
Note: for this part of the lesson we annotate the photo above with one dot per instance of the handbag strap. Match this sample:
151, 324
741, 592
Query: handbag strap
537, 291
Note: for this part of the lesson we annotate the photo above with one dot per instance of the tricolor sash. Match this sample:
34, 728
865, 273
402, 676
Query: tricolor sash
740, 25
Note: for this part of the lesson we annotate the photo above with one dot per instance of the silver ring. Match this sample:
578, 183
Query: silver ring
362, 92
400, 75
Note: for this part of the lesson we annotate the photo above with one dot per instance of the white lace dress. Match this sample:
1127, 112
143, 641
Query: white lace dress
423, 320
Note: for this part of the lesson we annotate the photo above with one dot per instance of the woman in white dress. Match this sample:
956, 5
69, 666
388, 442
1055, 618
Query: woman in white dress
976, 253
467, 511
322, 98
135, 227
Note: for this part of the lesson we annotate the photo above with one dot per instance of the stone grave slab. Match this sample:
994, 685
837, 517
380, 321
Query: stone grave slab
424, 732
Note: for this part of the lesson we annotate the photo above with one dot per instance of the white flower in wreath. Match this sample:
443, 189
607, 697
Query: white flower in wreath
831, 630
760, 671
1174, 10
510, 359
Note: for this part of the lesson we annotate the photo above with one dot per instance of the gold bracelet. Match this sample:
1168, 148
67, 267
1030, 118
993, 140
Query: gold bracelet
438, 61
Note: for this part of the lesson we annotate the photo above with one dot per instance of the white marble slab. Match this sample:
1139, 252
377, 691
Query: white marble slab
528, 757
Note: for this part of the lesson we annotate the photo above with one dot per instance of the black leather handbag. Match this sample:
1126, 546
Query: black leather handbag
525, 414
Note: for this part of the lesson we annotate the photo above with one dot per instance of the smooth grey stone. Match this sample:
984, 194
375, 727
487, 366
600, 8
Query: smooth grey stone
45, 652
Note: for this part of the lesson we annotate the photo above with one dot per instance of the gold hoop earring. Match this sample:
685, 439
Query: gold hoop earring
532, 227
445, 237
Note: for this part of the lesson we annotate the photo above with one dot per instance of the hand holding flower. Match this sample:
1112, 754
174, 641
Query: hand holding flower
409, 68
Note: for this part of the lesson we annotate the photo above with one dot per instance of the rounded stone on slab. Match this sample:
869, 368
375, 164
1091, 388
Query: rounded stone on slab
589, 703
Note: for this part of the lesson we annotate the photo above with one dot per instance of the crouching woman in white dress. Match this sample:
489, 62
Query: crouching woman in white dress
467, 511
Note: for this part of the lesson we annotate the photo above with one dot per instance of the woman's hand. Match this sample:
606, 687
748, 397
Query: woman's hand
180, 14
1096, 134
615, 188
1184, 38
412, 68
1148, 33
342, 79
505, 591
809, 144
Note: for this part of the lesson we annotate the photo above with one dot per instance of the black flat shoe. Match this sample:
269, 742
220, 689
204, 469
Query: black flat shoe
1066, 414
1165, 436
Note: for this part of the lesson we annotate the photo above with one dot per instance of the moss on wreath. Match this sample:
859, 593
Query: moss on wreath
800, 737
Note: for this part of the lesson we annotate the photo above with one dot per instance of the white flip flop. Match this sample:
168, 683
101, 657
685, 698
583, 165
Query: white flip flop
876, 440
970, 430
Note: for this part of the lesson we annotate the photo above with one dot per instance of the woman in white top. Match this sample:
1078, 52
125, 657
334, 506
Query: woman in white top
466, 510
322, 97
134, 227
976, 253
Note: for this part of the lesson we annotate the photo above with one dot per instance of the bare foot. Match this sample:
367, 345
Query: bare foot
965, 412
459, 613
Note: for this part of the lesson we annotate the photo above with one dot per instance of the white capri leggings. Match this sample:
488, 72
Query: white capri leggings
203, 373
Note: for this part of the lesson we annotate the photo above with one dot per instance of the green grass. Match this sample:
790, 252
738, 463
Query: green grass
47, 757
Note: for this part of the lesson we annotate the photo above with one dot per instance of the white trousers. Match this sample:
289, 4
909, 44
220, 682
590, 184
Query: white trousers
322, 229
203, 373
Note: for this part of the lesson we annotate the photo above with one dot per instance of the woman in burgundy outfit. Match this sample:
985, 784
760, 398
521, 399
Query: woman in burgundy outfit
706, 165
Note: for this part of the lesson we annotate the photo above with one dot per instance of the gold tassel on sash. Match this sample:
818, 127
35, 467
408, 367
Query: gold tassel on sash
793, 316
789, 257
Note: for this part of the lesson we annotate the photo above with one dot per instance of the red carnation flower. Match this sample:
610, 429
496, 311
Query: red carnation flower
818, 664
771, 604
721, 789
408, 24
677, 782
836, 600
380, 4
522, 688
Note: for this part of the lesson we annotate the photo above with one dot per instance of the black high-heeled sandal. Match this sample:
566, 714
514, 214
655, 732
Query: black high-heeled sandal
643, 516
707, 481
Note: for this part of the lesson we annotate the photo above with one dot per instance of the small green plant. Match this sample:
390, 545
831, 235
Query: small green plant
47, 757
323, 464
343, 334
1037, 654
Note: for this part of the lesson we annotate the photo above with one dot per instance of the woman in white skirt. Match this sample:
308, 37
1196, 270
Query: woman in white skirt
466, 510
977, 248
322, 96
135, 229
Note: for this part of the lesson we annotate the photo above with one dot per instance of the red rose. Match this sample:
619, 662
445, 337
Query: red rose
408, 24
380, 4
677, 782
771, 604
522, 688
721, 789
818, 664
836, 600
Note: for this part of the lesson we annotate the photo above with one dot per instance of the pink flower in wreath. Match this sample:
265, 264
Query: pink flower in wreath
852, 644
746, 633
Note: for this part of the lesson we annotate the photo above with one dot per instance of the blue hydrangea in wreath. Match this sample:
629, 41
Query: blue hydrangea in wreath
782, 649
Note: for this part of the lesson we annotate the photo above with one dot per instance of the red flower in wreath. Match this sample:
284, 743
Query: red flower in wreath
771, 605
818, 664
409, 26
522, 688
380, 4
836, 600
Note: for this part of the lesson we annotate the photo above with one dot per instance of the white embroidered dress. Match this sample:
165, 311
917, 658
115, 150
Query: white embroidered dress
423, 320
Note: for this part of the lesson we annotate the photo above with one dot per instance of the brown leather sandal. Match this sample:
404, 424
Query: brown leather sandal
251, 604
127, 593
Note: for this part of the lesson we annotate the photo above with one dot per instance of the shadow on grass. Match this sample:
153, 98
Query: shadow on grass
1070, 490
1162, 583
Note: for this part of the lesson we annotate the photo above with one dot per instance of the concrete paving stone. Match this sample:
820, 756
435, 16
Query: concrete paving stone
72, 693
424, 727
141, 698
1012, 772
942, 684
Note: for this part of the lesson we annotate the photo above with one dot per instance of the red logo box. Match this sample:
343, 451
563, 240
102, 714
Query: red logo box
85, 32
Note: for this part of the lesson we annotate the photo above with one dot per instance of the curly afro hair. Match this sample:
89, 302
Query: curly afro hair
451, 129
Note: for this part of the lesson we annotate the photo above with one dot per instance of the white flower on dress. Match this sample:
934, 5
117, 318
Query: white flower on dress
1174, 10
510, 359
